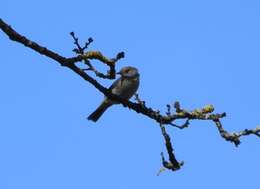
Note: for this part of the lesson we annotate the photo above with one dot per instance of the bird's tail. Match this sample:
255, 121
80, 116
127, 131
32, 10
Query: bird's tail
99, 111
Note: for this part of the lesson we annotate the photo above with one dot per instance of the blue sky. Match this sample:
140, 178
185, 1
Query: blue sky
197, 52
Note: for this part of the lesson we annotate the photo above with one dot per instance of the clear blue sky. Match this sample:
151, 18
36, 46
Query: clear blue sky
198, 52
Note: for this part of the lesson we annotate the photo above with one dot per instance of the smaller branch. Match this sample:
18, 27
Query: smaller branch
205, 113
172, 164
235, 136
79, 49
169, 110
111, 73
97, 73
99, 56
139, 101
245, 132
185, 125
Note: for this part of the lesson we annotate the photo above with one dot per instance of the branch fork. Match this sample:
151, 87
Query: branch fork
205, 113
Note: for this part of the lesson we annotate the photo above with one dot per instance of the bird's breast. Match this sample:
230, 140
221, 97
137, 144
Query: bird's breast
126, 88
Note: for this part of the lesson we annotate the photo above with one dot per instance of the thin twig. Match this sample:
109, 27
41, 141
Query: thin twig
172, 164
205, 113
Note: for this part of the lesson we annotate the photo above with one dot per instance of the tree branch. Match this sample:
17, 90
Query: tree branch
205, 113
173, 164
111, 74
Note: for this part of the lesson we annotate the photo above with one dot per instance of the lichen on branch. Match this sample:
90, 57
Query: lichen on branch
169, 118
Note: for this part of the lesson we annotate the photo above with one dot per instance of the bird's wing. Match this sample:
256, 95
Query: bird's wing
116, 82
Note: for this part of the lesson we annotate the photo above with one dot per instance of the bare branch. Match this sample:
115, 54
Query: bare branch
183, 126
111, 73
79, 49
205, 113
172, 164
139, 101
235, 136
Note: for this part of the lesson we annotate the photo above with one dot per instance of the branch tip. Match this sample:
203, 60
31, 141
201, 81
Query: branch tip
205, 113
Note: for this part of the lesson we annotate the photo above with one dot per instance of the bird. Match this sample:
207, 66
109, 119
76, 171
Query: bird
125, 87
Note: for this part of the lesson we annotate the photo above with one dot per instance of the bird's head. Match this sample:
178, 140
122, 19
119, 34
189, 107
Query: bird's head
128, 72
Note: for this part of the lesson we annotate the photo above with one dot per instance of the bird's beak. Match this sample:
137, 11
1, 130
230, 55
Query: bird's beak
119, 73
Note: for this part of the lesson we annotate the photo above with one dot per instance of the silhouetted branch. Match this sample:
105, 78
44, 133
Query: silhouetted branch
111, 73
173, 164
139, 101
234, 137
80, 50
205, 113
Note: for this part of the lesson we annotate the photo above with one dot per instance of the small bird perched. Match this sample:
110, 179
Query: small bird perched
125, 87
